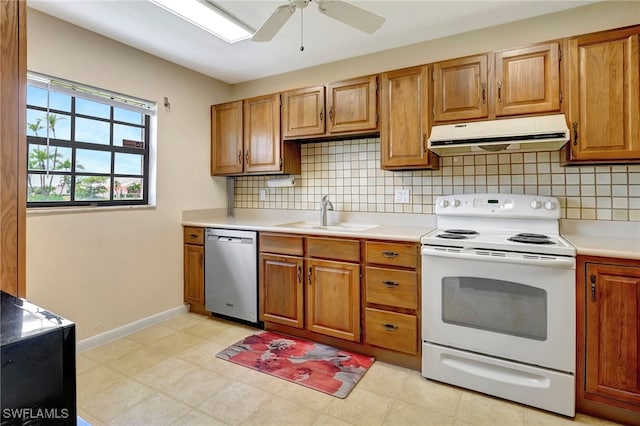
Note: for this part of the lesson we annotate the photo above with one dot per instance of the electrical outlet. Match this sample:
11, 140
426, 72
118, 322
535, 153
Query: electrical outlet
263, 194
402, 196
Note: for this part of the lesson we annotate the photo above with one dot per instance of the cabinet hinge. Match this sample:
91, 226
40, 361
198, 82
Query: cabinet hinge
559, 53
433, 75
280, 162
377, 118
433, 112
561, 96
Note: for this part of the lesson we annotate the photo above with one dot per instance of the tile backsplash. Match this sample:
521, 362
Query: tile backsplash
349, 172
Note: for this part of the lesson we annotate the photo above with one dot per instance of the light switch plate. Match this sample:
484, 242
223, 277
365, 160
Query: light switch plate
263, 194
402, 196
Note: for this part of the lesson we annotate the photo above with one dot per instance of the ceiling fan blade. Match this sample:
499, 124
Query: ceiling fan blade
273, 23
351, 15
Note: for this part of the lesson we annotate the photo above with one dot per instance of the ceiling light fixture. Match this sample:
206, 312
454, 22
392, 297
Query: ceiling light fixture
209, 17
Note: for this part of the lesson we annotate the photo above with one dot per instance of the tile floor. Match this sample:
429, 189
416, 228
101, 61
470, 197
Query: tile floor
168, 374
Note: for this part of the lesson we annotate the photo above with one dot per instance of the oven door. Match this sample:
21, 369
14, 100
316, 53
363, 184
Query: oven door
509, 305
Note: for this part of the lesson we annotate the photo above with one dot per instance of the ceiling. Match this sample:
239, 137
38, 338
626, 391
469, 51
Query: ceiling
147, 27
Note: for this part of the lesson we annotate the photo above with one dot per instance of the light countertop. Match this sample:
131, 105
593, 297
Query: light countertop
592, 238
395, 227
603, 238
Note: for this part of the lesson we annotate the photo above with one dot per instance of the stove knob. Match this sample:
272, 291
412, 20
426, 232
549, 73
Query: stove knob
535, 204
444, 203
550, 205
455, 203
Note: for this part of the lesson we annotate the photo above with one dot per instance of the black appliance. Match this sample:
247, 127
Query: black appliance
38, 358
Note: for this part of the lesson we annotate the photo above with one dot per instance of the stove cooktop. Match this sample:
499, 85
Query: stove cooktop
501, 240
510, 222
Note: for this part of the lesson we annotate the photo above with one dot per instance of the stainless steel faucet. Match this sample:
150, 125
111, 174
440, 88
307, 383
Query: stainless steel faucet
326, 205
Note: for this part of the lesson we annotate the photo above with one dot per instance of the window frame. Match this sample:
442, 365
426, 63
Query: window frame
113, 101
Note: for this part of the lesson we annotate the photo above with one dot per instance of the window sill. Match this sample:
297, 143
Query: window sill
44, 211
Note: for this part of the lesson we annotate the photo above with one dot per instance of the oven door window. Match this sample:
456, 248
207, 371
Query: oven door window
494, 305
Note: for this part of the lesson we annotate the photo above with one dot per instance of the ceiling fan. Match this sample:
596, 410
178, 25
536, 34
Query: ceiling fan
342, 11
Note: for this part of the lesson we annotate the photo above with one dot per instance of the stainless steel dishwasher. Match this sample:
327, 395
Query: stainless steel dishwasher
231, 273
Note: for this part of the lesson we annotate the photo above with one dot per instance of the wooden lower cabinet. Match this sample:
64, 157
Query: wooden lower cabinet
312, 287
333, 299
193, 264
608, 337
281, 290
392, 296
392, 330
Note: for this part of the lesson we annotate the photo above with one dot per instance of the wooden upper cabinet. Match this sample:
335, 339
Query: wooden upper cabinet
262, 142
460, 89
246, 139
303, 112
604, 97
352, 105
527, 80
404, 123
346, 107
226, 139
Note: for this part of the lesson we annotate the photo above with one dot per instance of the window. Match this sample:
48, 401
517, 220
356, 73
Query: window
85, 146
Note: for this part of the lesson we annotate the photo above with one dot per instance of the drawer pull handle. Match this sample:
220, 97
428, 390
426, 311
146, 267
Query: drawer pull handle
390, 327
389, 254
193, 235
390, 284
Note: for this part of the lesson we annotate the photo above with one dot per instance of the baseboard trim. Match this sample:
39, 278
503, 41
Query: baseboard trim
118, 332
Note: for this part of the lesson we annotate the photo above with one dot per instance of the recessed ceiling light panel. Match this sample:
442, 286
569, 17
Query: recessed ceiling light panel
209, 17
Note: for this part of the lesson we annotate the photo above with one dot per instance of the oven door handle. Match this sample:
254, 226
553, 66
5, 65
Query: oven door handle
502, 257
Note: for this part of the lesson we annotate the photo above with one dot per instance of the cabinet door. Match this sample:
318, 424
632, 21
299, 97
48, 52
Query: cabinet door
612, 332
333, 299
194, 274
404, 123
281, 290
460, 89
604, 96
303, 112
262, 142
226, 138
527, 80
353, 105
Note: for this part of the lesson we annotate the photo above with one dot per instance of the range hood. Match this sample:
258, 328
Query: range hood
543, 133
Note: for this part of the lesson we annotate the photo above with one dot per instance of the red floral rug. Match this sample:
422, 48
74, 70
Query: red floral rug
320, 367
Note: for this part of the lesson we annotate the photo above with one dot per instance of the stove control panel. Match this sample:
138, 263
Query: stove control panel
503, 205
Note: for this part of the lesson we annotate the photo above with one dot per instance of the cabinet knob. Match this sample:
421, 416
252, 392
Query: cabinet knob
300, 274
389, 254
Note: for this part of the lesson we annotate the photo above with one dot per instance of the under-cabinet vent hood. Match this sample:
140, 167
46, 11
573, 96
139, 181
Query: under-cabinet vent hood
543, 133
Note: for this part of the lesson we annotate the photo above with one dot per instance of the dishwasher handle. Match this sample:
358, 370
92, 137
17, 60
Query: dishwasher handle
225, 239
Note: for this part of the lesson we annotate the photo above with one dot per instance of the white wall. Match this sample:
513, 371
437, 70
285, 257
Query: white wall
105, 269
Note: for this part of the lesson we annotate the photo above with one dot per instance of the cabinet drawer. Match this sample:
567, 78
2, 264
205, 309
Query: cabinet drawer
335, 249
281, 243
392, 330
392, 287
193, 235
393, 254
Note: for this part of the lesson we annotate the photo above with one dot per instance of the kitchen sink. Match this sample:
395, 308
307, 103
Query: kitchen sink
340, 226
